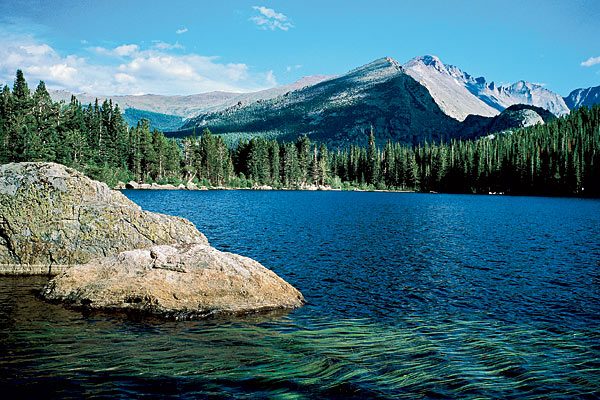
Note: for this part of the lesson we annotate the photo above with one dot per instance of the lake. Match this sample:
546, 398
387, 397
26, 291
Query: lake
409, 296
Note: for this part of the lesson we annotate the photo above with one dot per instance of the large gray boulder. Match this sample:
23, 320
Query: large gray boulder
53, 217
173, 281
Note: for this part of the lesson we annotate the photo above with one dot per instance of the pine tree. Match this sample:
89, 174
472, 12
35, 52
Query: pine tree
274, 162
371, 170
20, 118
118, 137
5, 143
323, 165
43, 141
303, 157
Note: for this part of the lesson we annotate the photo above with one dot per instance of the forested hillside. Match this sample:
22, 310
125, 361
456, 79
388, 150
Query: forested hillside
164, 122
337, 111
560, 157
94, 139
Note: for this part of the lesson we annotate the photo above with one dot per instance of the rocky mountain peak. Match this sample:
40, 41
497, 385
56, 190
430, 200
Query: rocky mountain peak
375, 71
447, 84
522, 85
393, 62
583, 97
427, 61
459, 94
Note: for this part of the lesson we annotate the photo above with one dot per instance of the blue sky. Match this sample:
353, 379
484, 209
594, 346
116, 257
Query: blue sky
186, 47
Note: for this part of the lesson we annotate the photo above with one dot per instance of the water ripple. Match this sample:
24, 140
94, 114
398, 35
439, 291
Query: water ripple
410, 296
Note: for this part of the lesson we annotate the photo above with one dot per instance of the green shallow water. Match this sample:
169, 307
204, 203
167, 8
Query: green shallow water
64, 354
420, 300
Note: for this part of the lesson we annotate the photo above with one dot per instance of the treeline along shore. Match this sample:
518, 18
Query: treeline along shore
561, 157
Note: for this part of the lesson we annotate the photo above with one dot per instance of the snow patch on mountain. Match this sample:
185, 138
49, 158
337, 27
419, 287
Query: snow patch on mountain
583, 97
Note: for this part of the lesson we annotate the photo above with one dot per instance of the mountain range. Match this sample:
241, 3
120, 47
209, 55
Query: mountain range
169, 112
583, 97
459, 94
424, 99
338, 110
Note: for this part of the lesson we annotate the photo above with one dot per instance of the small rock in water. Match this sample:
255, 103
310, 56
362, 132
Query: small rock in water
174, 281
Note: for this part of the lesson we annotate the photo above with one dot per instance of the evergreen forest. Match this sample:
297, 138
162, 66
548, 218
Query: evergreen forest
560, 157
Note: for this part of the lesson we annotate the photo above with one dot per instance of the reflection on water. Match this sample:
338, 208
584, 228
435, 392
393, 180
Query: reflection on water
409, 296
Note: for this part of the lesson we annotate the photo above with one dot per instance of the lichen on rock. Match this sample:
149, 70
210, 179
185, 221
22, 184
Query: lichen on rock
51, 215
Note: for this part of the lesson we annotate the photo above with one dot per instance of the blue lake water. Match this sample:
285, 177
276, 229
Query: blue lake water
409, 296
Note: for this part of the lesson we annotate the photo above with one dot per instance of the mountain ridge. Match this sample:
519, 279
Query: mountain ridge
383, 94
583, 97
460, 94
184, 106
338, 110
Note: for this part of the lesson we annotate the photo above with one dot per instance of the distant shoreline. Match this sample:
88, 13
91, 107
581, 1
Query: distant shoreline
193, 187
307, 188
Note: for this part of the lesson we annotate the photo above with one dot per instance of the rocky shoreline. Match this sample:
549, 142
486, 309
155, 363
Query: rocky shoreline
109, 254
192, 186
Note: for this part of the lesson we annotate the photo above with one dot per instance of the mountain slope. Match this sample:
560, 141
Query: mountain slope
338, 111
520, 93
514, 117
181, 106
460, 94
583, 97
162, 122
169, 108
188, 106
247, 98
447, 85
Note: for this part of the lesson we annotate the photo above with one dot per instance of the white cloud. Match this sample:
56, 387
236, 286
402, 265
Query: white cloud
591, 61
125, 50
271, 78
180, 31
124, 78
62, 72
270, 13
167, 46
270, 19
37, 50
289, 67
129, 69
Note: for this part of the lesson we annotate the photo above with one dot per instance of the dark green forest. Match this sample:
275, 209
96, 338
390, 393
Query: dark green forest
561, 157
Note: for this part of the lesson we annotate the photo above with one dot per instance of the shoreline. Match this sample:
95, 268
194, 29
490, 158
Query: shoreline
193, 187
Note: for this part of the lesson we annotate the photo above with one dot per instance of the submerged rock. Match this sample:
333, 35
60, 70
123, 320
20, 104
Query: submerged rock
174, 281
52, 217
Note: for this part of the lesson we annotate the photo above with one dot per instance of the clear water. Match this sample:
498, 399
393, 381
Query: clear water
409, 296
